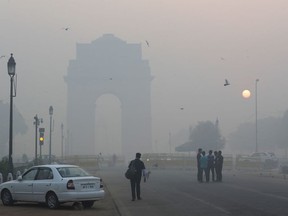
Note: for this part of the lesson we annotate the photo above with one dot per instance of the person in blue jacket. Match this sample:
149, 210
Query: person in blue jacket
204, 166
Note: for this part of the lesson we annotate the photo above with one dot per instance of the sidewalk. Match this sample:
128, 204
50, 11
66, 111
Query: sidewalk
107, 206
119, 192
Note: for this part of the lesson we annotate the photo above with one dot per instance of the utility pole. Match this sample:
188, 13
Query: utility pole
62, 140
50, 140
256, 117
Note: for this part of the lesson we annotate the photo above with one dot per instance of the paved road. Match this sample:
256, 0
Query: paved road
177, 193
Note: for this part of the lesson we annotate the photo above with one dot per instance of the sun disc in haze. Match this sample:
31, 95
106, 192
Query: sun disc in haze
246, 94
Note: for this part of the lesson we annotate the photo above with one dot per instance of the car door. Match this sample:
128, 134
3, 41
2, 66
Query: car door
23, 190
42, 183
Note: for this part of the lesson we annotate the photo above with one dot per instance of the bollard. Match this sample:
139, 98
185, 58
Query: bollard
1, 178
9, 177
18, 173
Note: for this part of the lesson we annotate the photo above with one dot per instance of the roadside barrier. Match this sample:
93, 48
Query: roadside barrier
9, 177
18, 173
1, 178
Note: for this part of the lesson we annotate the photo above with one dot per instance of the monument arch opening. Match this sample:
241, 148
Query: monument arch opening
108, 125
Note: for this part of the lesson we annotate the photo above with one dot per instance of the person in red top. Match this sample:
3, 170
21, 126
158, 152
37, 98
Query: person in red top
135, 182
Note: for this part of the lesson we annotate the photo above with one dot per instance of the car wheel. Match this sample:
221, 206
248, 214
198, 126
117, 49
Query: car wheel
87, 204
6, 198
52, 200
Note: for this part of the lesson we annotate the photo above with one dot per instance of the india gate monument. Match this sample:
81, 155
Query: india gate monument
109, 65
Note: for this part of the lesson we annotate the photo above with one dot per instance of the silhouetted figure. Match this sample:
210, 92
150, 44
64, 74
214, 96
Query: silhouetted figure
204, 166
215, 165
199, 175
135, 182
210, 168
219, 166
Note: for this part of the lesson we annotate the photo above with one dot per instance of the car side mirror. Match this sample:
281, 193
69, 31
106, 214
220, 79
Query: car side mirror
19, 178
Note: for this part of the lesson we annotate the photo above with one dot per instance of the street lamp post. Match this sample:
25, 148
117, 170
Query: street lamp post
62, 140
11, 66
36, 123
256, 117
170, 144
50, 139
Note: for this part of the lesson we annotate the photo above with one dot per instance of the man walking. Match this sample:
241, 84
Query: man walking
135, 182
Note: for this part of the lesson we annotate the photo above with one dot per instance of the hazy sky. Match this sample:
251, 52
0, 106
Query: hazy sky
194, 46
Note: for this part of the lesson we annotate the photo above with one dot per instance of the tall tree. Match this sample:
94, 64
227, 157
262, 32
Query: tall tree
205, 135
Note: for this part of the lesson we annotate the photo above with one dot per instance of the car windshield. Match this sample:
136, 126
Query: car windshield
72, 172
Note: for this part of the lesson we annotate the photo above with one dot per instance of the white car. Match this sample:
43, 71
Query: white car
53, 185
264, 157
268, 159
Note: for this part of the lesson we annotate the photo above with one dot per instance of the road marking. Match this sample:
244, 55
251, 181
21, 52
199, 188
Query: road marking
207, 203
258, 192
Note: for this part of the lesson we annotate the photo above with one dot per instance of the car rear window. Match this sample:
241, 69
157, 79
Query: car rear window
72, 172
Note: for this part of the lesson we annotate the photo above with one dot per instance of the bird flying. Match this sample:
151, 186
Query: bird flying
226, 83
66, 28
147, 43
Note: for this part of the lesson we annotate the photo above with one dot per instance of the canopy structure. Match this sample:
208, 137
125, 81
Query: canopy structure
186, 147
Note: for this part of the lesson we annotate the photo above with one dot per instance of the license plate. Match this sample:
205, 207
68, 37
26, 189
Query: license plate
88, 186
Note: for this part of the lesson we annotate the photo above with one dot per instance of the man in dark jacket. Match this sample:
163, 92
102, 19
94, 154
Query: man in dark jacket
211, 161
199, 171
135, 182
219, 165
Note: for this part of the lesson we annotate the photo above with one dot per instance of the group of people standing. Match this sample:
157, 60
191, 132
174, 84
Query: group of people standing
206, 164
211, 163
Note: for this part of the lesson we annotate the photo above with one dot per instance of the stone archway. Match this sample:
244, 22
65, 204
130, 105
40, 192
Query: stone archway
109, 65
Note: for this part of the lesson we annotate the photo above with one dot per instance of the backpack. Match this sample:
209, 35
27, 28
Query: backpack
131, 171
